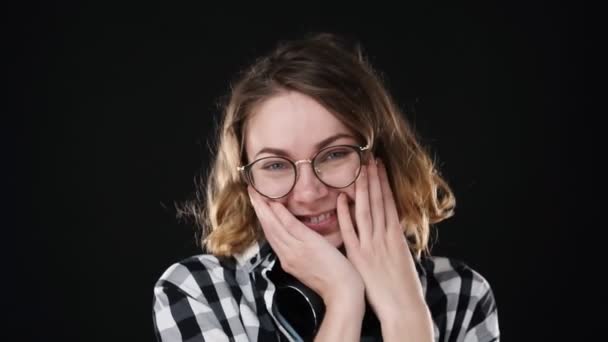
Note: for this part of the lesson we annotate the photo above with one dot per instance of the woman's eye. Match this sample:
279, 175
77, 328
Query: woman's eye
274, 166
333, 155
336, 154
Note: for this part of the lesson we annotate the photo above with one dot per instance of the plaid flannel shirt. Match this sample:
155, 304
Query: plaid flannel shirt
205, 298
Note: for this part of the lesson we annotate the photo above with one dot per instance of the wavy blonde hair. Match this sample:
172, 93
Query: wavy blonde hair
338, 76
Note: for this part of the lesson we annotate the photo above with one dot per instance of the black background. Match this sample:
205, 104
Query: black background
113, 108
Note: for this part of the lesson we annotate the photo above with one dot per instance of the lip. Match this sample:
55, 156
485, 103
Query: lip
322, 226
312, 215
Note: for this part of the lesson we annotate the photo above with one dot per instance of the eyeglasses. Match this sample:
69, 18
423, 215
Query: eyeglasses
335, 166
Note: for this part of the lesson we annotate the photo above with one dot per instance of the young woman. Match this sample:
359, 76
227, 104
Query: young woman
319, 175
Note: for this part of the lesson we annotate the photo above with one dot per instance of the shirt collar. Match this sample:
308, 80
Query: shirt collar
260, 251
254, 255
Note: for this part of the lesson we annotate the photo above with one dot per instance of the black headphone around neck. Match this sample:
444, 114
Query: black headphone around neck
303, 309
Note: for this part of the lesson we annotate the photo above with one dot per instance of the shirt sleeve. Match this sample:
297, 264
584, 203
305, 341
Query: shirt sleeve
180, 317
483, 325
191, 303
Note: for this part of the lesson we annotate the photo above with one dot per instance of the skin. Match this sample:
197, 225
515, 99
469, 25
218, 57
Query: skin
377, 264
295, 123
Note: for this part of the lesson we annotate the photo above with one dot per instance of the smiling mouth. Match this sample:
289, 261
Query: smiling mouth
318, 218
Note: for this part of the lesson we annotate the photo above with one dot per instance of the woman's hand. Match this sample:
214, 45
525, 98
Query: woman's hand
307, 255
381, 255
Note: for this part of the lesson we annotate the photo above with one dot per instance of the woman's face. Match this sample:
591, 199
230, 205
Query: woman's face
295, 126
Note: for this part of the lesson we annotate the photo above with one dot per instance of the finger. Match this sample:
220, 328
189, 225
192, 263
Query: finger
291, 224
376, 201
277, 237
390, 208
362, 211
349, 237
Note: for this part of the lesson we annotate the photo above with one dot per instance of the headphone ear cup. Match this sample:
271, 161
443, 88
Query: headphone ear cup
301, 307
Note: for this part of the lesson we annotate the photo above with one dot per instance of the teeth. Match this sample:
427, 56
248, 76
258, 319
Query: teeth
319, 218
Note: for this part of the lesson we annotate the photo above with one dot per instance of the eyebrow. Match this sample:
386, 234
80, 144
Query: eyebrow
318, 146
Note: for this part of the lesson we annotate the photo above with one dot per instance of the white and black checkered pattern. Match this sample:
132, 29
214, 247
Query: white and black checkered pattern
205, 298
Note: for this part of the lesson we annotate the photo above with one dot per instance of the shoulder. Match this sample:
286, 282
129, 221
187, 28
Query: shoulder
454, 275
461, 299
195, 273
195, 299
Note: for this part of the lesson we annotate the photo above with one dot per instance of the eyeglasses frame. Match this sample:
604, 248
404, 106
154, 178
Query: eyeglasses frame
246, 173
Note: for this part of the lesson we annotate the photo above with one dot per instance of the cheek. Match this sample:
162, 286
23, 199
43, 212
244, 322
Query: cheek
283, 200
350, 192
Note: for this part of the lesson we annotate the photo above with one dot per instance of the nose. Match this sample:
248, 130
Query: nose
308, 187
